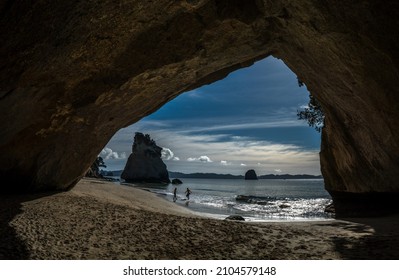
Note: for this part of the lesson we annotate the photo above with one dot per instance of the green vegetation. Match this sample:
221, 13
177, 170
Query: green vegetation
312, 113
94, 170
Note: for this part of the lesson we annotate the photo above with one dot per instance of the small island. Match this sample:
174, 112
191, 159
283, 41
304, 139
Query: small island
251, 175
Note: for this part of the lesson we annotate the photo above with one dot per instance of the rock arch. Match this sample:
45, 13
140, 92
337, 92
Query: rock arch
74, 72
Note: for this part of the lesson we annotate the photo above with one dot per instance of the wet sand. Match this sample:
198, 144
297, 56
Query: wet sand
103, 220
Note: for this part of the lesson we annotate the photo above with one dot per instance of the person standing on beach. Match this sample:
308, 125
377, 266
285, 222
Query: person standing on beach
188, 192
174, 195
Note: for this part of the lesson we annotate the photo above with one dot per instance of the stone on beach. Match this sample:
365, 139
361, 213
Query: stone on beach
235, 218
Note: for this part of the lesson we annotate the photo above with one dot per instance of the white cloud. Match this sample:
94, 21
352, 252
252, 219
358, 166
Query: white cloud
167, 154
234, 149
243, 164
272, 122
205, 159
107, 153
224, 162
278, 170
201, 159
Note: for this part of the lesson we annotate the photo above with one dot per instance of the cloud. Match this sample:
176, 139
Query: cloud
278, 170
194, 94
235, 149
278, 118
201, 159
253, 123
107, 153
224, 162
243, 164
167, 154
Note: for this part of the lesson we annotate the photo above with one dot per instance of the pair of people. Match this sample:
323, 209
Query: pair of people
187, 192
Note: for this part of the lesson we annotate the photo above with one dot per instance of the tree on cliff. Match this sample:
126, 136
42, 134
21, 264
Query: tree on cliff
94, 170
313, 113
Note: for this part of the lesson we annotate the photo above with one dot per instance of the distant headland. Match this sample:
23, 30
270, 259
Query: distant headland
230, 176
224, 176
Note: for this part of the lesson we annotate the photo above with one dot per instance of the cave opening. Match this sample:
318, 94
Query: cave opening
247, 120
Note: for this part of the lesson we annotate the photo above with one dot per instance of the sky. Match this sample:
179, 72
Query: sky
245, 121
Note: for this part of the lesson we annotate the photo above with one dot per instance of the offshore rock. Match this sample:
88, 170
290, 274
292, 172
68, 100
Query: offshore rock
177, 181
73, 73
144, 163
251, 175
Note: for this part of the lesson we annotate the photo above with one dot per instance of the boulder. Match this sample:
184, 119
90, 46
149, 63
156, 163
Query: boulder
235, 218
330, 208
283, 206
144, 163
177, 181
244, 198
251, 175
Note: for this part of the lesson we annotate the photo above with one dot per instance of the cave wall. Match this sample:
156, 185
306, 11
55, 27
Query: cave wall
73, 72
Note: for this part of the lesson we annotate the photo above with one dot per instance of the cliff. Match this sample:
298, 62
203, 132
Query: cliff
73, 73
144, 163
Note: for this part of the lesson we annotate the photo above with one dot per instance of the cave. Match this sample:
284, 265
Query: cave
75, 72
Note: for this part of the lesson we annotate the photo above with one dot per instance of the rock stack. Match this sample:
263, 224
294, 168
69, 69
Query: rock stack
251, 175
144, 163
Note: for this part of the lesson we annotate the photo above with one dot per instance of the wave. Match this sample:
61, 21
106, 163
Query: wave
256, 199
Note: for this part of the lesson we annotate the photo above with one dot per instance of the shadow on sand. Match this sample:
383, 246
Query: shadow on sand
378, 239
12, 247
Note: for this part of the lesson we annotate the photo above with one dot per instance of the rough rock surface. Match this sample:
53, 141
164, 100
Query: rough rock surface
251, 175
144, 163
74, 72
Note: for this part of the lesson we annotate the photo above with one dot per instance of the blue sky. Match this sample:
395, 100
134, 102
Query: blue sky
245, 121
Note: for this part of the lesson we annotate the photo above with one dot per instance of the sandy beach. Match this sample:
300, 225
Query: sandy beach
103, 220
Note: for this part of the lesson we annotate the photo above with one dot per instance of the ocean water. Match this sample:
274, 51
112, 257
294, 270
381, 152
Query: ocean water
258, 200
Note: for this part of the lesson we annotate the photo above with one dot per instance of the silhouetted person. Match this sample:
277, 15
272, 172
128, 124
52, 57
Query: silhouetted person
174, 195
188, 192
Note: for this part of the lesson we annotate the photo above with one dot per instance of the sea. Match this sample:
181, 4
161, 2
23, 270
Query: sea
254, 200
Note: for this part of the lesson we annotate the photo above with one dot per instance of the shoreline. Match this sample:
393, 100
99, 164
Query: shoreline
223, 205
199, 212
102, 220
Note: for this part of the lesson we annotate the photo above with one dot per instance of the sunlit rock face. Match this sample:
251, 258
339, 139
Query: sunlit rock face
74, 72
144, 163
